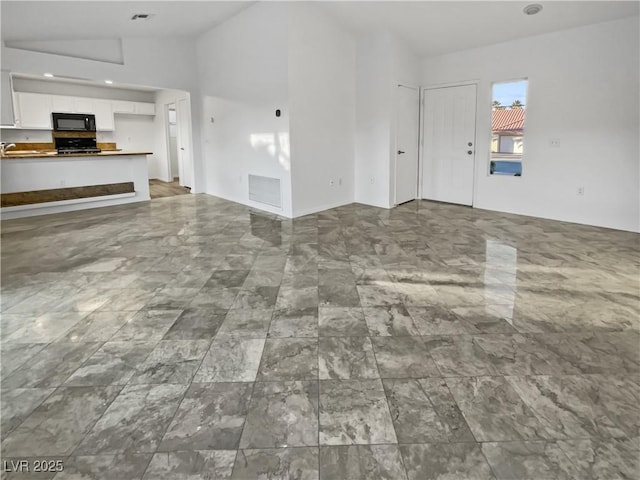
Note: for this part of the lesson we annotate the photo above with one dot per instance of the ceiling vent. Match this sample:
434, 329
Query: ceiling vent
532, 9
142, 16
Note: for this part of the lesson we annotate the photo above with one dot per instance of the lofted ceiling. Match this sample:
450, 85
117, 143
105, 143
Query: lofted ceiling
432, 28
86, 20
428, 27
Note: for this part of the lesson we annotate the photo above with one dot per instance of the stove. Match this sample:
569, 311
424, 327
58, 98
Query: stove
63, 151
70, 145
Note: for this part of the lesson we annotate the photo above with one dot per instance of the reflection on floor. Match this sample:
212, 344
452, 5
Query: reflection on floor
192, 336
159, 189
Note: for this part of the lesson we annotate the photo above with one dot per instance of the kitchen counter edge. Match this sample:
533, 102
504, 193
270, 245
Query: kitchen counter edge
58, 156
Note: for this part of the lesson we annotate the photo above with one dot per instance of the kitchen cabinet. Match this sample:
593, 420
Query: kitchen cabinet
124, 107
83, 105
34, 110
145, 108
62, 104
134, 108
7, 118
103, 110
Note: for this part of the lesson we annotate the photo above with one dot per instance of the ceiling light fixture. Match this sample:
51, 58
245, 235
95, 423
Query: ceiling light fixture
48, 75
109, 82
532, 9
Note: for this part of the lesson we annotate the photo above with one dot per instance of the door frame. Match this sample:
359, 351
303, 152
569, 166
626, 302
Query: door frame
421, 158
395, 143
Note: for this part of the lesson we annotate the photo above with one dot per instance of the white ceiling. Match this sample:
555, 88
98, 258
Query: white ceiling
434, 28
428, 27
84, 20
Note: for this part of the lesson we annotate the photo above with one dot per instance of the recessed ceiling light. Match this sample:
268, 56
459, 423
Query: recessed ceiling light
532, 9
48, 75
108, 82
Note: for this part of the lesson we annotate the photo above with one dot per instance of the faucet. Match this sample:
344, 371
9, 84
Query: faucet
6, 146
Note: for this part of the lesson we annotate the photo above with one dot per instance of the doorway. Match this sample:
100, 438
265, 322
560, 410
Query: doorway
407, 143
174, 184
183, 135
449, 144
172, 135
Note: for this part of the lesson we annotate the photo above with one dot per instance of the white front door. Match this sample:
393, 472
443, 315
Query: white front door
185, 169
408, 117
449, 144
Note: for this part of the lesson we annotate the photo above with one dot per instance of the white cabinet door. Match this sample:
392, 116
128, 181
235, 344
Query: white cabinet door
124, 106
143, 108
34, 110
62, 104
6, 101
83, 105
134, 108
104, 116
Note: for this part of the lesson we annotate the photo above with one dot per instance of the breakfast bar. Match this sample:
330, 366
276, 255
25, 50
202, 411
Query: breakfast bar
37, 183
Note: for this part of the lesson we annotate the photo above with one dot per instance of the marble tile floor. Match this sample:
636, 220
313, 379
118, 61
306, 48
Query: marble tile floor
194, 338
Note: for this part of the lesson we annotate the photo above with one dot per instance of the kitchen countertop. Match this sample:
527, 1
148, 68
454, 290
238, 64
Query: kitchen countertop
53, 154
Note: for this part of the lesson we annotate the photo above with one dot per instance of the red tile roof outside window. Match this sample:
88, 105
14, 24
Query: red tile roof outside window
507, 120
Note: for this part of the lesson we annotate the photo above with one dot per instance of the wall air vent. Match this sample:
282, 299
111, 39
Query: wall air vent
265, 190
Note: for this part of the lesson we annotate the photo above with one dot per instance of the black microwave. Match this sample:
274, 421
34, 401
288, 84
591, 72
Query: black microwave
74, 122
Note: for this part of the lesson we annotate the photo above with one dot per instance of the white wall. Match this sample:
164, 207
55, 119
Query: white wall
134, 133
373, 119
383, 62
584, 91
243, 79
322, 110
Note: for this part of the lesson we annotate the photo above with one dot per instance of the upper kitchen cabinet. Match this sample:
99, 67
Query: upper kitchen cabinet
7, 117
134, 108
84, 105
145, 108
103, 111
33, 110
62, 104
124, 107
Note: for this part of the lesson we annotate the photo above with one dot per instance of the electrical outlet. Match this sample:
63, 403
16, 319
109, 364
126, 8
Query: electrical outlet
62, 183
372, 180
580, 191
554, 143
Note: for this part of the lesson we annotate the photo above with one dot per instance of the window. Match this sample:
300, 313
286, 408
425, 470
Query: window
507, 127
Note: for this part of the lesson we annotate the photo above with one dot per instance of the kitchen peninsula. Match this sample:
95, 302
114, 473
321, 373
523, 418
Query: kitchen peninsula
41, 182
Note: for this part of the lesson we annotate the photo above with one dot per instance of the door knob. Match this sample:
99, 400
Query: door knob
400, 152
469, 152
